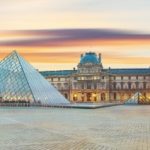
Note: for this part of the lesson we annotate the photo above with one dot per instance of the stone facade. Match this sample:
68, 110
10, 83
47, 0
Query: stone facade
90, 82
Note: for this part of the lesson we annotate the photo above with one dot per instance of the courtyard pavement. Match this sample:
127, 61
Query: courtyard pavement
111, 128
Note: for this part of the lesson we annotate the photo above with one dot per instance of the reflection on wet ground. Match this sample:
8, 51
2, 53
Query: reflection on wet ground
117, 127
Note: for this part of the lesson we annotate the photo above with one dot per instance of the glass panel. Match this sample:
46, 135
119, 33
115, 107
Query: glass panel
41, 89
13, 80
19, 81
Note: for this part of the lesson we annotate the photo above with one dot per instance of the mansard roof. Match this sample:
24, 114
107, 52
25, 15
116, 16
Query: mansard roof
120, 71
129, 71
58, 73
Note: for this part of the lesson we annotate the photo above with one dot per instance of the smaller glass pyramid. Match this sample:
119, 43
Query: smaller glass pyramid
138, 98
20, 82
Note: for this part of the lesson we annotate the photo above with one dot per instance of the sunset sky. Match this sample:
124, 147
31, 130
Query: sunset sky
52, 34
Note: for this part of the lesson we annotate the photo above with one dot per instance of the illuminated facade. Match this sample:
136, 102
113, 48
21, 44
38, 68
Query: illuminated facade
90, 82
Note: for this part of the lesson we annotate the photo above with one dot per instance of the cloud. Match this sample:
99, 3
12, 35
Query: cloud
70, 37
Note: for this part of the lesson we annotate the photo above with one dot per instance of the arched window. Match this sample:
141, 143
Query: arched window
65, 85
148, 86
141, 86
125, 86
118, 86
88, 85
95, 85
66, 95
114, 85
133, 85
75, 97
115, 96
59, 85
103, 98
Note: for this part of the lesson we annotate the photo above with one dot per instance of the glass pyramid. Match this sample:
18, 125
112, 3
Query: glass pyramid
138, 98
19, 81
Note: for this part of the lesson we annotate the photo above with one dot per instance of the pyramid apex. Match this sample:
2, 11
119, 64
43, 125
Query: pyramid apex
14, 51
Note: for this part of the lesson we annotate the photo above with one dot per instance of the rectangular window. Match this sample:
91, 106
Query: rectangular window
113, 78
82, 86
133, 77
75, 78
49, 79
88, 85
55, 79
140, 77
125, 78
62, 79
147, 77
75, 85
95, 85
115, 96
96, 77
118, 78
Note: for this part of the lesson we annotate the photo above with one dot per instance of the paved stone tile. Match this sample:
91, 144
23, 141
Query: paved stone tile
113, 128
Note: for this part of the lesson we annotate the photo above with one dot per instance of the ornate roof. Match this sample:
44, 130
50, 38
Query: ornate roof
90, 57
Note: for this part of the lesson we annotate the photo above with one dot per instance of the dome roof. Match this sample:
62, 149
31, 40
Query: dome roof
89, 57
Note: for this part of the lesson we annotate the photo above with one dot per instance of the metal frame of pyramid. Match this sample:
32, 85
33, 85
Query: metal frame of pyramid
21, 83
138, 98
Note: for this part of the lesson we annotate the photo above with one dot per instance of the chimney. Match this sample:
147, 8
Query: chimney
81, 55
100, 57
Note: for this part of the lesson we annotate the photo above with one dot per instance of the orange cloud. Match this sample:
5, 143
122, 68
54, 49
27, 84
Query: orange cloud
49, 46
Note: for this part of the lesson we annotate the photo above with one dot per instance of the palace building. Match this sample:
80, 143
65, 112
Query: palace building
90, 82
